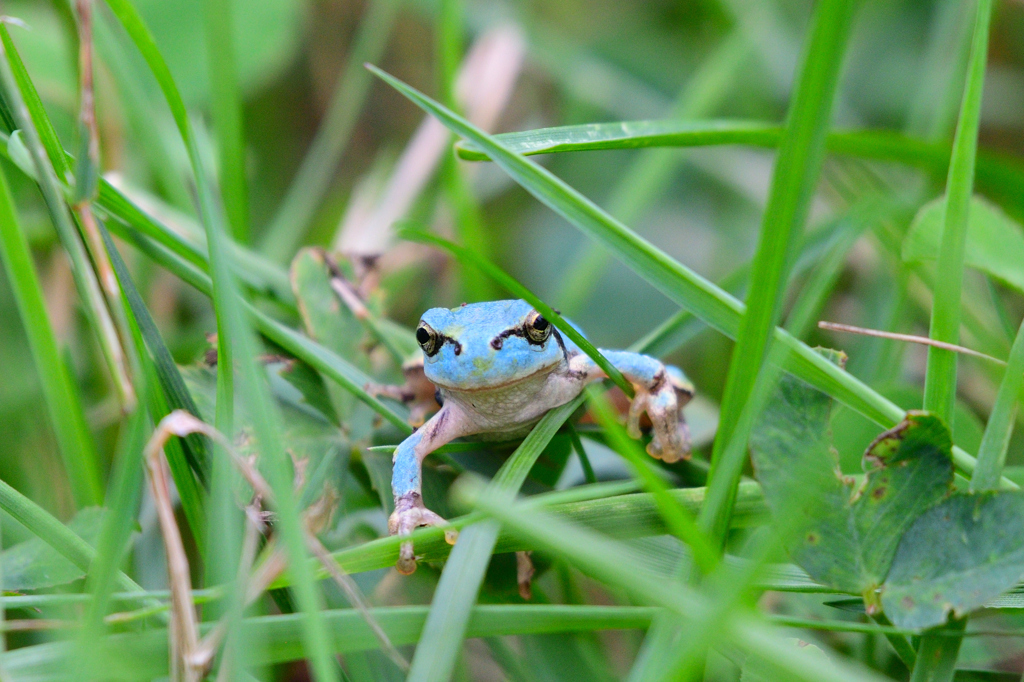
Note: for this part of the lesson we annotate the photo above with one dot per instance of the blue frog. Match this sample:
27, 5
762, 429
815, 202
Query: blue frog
498, 367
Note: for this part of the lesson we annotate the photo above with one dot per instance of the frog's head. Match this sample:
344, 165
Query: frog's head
487, 345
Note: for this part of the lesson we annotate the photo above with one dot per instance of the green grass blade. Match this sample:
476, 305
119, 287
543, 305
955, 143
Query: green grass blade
706, 300
164, 390
291, 222
476, 260
609, 509
226, 101
677, 518
123, 502
456, 592
999, 173
35, 129
940, 377
996, 440
62, 399
233, 325
801, 154
54, 533
47, 134
233, 328
937, 654
173, 385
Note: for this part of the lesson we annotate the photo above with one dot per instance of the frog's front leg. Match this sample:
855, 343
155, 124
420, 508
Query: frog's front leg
661, 392
449, 423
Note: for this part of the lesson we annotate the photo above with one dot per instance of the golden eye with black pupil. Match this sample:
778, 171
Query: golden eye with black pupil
538, 330
428, 339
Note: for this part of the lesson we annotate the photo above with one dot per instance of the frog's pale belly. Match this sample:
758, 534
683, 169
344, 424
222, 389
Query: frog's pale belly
509, 411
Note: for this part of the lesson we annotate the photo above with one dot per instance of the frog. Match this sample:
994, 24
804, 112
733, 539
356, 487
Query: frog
498, 367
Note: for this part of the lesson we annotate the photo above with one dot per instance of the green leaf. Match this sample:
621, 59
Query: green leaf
956, 557
995, 243
34, 565
63, 402
845, 535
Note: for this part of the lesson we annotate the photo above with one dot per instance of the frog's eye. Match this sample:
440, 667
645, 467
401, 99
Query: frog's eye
429, 340
537, 328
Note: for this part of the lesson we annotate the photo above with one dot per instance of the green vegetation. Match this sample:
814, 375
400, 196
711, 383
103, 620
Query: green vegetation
220, 221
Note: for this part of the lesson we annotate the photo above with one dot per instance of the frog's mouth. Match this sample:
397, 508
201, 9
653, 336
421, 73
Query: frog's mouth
548, 369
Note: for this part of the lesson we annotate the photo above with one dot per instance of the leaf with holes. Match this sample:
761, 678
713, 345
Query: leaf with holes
844, 534
956, 556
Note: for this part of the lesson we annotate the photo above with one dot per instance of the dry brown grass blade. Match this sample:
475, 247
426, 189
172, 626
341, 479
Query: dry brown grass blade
909, 338
196, 655
184, 629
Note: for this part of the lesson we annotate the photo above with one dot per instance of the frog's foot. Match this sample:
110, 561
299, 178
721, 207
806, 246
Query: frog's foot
670, 440
409, 515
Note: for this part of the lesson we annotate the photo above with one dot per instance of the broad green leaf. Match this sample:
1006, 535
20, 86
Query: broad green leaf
957, 556
844, 535
34, 565
995, 243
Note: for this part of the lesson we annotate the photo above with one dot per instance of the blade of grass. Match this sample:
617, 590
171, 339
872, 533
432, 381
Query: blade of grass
63, 402
54, 533
997, 172
996, 439
707, 301
801, 154
940, 377
291, 222
467, 256
677, 518
234, 330
29, 115
606, 510
233, 324
192, 459
937, 655
456, 593
123, 501
226, 102
661, 648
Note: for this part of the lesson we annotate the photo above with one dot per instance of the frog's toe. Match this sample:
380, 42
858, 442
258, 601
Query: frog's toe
409, 515
670, 440
406, 563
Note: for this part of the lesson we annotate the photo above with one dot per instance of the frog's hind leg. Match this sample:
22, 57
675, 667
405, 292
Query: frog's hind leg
406, 480
661, 392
